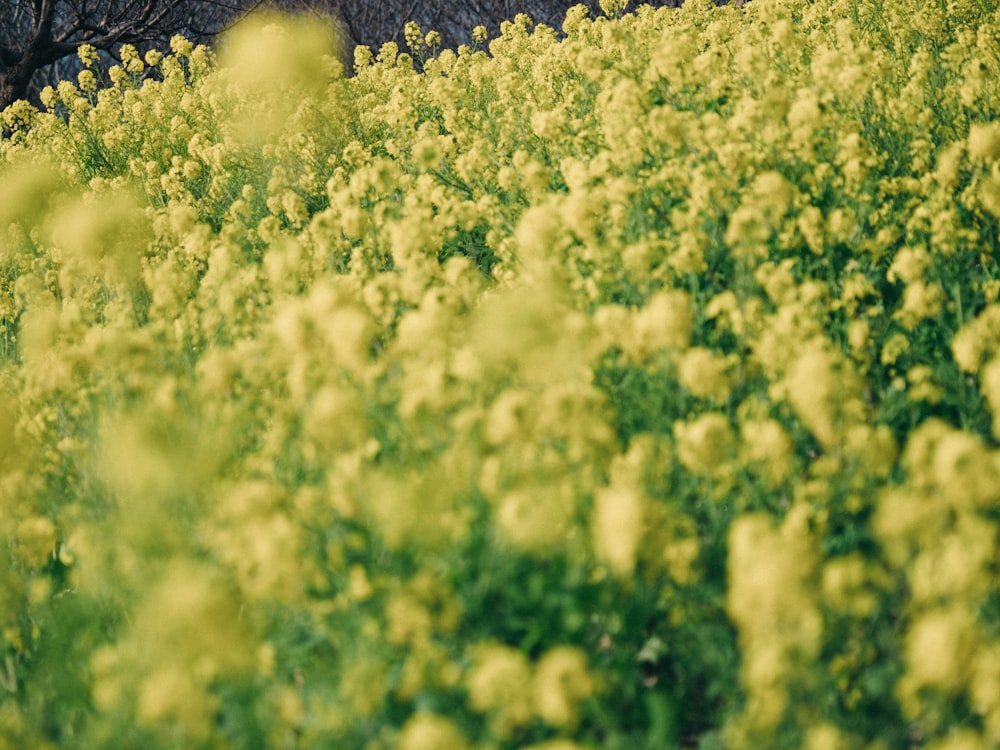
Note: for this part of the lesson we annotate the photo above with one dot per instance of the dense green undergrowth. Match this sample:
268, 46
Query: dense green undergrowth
632, 385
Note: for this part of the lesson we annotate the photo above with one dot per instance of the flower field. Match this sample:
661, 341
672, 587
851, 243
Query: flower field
630, 385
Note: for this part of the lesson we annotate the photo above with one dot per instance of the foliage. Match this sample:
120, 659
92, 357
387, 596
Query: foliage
636, 387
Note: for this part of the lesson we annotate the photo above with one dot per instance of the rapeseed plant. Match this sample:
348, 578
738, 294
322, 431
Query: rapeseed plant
631, 384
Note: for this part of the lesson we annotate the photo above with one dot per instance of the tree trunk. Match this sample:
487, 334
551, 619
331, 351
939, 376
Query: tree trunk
14, 84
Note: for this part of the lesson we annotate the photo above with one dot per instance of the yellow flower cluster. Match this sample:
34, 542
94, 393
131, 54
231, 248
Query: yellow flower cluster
629, 384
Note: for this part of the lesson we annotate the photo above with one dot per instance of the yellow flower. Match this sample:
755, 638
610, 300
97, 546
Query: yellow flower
616, 528
856, 288
767, 448
412, 35
388, 53
427, 731
536, 518
777, 279
362, 57
826, 737
923, 385
270, 64
705, 444
499, 685
939, 648
968, 349
771, 599
613, 8
575, 20
873, 447
117, 75
957, 565
359, 588
67, 92
909, 265
989, 386
964, 470
87, 81
48, 97
859, 338
845, 583
949, 164
665, 322
805, 116
824, 390
762, 211
87, 54
920, 302
984, 141
180, 46
130, 58
706, 374
561, 681
893, 348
